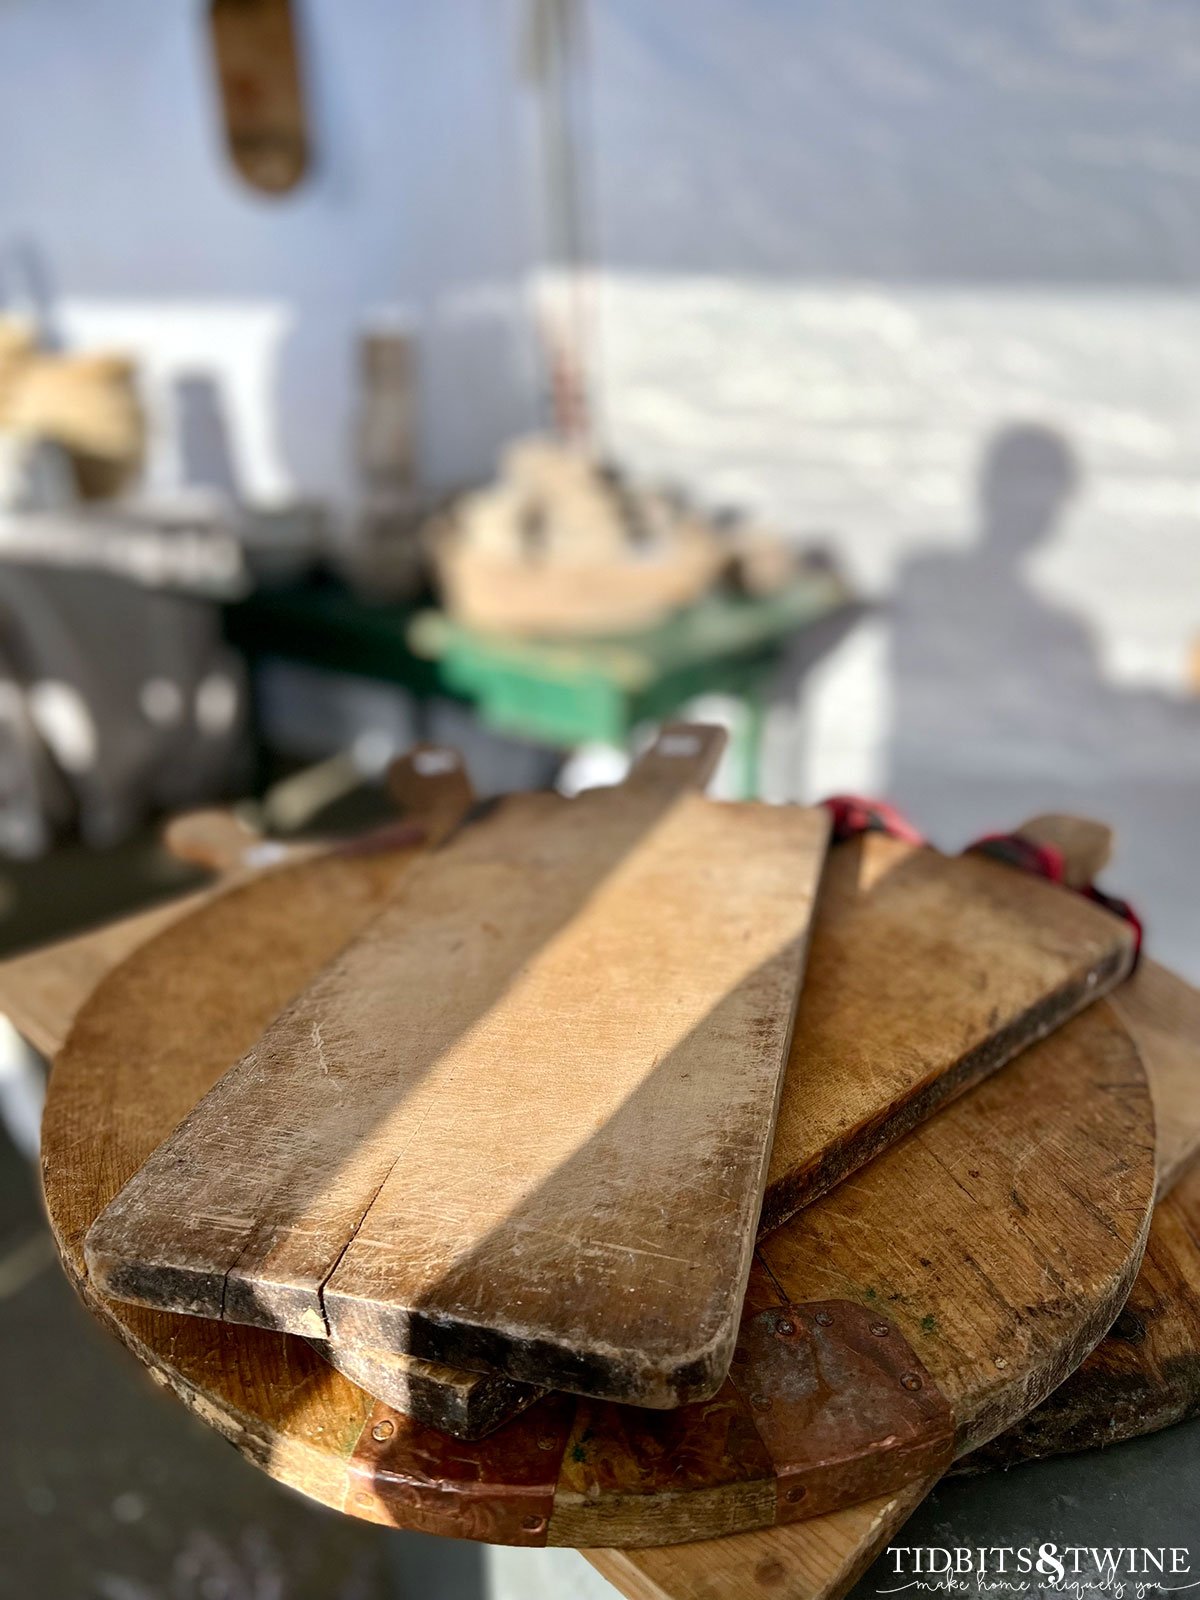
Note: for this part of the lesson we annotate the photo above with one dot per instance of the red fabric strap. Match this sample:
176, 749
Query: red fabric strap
854, 814
1047, 862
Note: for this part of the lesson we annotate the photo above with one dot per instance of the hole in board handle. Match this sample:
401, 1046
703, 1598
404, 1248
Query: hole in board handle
433, 763
679, 744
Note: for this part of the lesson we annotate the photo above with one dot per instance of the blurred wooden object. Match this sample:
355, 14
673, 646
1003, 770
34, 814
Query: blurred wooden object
260, 77
1084, 845
1162, 1011
18, 345
87, 403
559, 546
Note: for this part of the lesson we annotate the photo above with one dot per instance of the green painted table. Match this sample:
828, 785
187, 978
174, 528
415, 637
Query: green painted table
557, 692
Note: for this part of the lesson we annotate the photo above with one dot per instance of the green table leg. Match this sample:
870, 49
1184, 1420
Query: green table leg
750, 739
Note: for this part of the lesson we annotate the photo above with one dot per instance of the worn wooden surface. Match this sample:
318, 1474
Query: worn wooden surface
467, 1405
817, 1558
926, 972
1144, 1374
257, 57
523, 1120
1065, 1134
1162, 1011
467, 1402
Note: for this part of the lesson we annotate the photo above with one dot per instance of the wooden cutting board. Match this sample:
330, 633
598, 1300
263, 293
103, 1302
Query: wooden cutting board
523, 1120
257, 58
875, 1106
156, 1035
1144, 1375
925, 973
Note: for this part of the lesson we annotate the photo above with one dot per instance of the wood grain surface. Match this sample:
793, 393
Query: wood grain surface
926, 972
1162, 1011
1055, 1154
257, 57
523, 1120
858, 1109
1144, 1374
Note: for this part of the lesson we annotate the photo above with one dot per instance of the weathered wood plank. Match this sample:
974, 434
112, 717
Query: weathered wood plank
1143, 1375
603, 991
926, 972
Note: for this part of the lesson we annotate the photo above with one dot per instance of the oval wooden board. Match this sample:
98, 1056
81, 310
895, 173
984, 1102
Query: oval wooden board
999, 1240
1144, 1375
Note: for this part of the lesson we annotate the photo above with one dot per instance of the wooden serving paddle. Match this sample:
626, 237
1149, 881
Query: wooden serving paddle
522, 1121
1061, 1141
926, 972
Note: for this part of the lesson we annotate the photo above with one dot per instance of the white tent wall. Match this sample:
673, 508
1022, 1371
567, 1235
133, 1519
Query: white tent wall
119, 206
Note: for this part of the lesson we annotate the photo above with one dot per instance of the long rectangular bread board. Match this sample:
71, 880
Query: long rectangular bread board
925, 974
523, 1121
1044, 952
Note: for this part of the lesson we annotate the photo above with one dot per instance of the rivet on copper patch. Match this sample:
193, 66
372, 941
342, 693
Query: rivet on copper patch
500, 1488
842, 1403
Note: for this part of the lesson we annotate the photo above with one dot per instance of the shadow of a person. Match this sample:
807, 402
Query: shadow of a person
999, 704
988, 677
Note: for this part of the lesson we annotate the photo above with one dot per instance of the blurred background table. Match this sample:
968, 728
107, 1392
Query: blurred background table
561, 693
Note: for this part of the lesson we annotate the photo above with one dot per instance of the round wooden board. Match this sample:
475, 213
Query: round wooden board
1145, 1374
998, 1241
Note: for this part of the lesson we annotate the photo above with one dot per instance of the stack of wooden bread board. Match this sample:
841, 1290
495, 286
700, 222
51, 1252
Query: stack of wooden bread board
689, 1182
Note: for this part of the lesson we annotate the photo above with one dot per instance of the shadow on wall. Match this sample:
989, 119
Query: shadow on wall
1000, 706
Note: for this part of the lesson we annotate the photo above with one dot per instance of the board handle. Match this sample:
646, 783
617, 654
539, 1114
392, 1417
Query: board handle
1084, 844
218, 839
430, 787
683, 756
